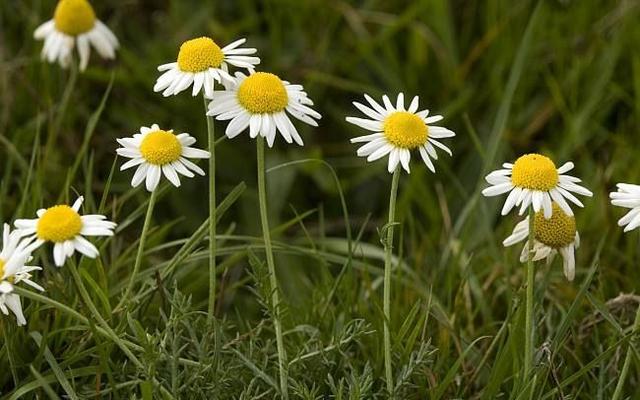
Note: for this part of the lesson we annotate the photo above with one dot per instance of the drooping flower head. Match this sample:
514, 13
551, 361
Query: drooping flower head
156, 152
74, 22
261, 102
16, 252
534, 180
556, 234
627, 196
63, 226
201, 63
399, 131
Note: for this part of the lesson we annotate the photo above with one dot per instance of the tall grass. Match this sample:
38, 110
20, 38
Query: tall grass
557, 77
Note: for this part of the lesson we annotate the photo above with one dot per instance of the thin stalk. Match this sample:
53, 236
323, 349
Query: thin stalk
62, 109
529, 335
275, 294
212, 215
143, 237
627, 359
86, 299
388, 254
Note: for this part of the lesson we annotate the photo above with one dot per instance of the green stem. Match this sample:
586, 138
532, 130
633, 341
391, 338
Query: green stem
529, 334
275, 294
212, 215
62, 109
84, 295
143, 237
388, 254
627, 358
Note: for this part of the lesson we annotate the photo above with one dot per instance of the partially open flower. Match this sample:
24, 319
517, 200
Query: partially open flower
74, 22
156, 152
201, 63
556, 234
16, 252
261, 102
628, 196
534, 180
66, 228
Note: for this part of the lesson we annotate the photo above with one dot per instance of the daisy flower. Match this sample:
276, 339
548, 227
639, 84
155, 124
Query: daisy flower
74, 22
534, 180
398, 131
156, 152
66, 228
259, 102
553, 235
16, 252
202, 62
628, 196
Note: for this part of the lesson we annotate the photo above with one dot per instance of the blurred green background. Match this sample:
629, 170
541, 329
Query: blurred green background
558, 77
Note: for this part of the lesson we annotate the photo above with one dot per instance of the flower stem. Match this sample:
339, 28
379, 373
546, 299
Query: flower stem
212, 215
62, 108
627, 359
275, 295
388, 254
529, 334
143, 237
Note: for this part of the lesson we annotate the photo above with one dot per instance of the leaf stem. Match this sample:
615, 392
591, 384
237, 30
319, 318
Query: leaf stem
275, 294
388, 254
627, 359
212, 215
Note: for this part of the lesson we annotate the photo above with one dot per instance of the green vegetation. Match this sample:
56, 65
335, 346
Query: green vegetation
561, 78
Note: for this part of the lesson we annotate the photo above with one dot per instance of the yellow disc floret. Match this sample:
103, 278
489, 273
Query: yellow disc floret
197, 55
263, 93
74, 17
557, 231
59, 224
535, 172
160, 148
406, 130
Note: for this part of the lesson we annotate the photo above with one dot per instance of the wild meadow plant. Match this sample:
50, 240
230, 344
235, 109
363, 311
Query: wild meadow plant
452, 312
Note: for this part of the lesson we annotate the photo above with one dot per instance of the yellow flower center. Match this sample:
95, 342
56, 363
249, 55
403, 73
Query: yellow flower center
557, 231
11, 278
74, 17
160, 148
263, 93
535, 172
197, 55
406, 130
58, 224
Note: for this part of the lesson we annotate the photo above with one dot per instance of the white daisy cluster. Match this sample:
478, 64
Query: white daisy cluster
534, 181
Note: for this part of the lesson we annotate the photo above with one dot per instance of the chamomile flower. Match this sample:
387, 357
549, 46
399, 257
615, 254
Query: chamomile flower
74, 23
398, 131
66, 228
534, 180
201, 63
16, 252
553, 235
156, 152
261, 102
628, 196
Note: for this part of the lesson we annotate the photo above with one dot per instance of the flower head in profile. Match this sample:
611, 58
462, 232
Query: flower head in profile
74, 23
398, 131
16, 252
553, 235
63, 226
534, 180
201, 63
627, 196
156, 152
261, 102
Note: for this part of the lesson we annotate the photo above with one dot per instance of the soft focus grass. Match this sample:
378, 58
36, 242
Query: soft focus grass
561, 78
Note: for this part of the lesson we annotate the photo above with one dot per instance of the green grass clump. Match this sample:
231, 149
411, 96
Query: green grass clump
556, 77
